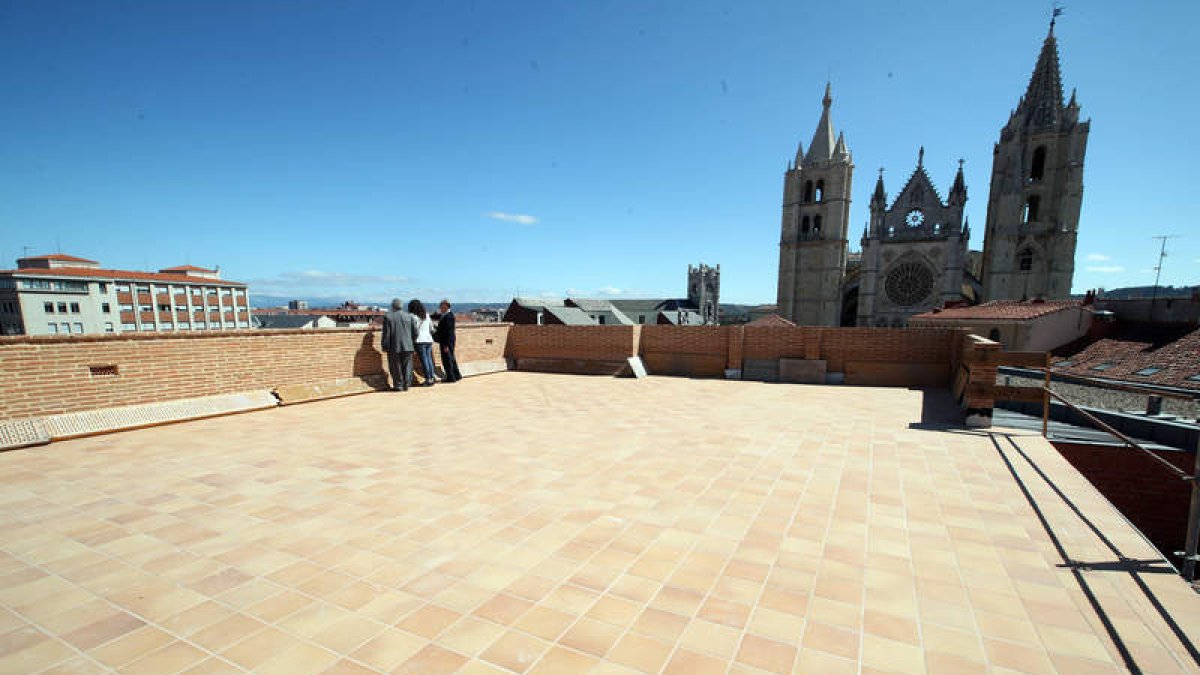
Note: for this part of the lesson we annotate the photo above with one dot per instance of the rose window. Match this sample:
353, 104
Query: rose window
908, 284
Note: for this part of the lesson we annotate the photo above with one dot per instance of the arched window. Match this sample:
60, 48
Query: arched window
1031, 208
808, 191
1025, 259
994, 335
804, 224
891, 230
816, 223
820, 195
1038, 168
937, 228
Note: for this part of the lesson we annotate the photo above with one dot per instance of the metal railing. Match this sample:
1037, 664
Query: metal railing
1190, 555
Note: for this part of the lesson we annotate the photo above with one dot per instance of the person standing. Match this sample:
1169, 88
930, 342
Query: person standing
423, 340
397, 342
446, 339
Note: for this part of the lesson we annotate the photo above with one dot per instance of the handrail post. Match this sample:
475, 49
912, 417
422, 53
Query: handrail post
1046, 404
1192, 548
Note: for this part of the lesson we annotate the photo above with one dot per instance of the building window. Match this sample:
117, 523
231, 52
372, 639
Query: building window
164, 308
145, 308
1147, 372
79, 328
1194, 378
108, 327
600, 319
128, 326
817, 224
1103, 366
126, 308
1025, 260
40, 284
808, 191
1063, 364
641, 318
103, 287
64, 328
143, 289
1031, 209
62, 308
1038, 168
106, 308
122, 288
49, 307
804, 225
937, 228
74, 307
891, 231
52, 328
820, 193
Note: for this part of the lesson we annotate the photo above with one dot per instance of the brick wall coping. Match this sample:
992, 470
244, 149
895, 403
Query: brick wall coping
203, 334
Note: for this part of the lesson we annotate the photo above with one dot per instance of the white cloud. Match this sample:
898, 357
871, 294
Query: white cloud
610, 290
1098, 257
1107, 269
323, 283
520, 218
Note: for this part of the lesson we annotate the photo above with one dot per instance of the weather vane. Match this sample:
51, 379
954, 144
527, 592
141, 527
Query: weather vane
1055, 13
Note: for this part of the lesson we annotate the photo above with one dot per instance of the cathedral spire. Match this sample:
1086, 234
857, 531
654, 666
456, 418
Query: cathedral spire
958, 192
880, 196
821, 148
840, 151
799, 152
1043, 101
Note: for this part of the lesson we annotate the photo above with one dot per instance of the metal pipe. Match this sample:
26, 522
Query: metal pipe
1191, 550
1128, 441
1046, 406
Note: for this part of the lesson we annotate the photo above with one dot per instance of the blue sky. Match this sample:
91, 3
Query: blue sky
362, 149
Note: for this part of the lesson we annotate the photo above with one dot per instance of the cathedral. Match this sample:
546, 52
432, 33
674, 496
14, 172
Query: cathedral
914, 255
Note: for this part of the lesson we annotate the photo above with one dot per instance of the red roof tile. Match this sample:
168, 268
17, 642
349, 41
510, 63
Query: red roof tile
771, 320
1131, 348
1010, 310
59, 256
187, 268
116, 275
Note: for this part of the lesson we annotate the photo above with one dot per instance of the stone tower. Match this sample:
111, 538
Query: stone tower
913, 253
1036, 191
816, 213
704, 291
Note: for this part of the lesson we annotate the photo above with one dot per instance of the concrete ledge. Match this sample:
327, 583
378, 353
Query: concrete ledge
346, 386
472, 368
89, 422
571, 366
802, 371
23, 433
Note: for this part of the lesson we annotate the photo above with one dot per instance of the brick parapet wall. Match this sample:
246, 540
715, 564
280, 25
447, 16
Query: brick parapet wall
585, 343
1153, 499
46, 375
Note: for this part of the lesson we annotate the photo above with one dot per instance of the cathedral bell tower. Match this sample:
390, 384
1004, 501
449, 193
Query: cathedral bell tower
1036, 191
816, 212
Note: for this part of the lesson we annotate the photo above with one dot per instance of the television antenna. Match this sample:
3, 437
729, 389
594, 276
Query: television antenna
1162, 253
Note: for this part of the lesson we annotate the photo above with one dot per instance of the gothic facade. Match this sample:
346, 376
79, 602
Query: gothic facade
914, 254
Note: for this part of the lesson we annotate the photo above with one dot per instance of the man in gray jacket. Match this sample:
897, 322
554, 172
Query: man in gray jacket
399, 328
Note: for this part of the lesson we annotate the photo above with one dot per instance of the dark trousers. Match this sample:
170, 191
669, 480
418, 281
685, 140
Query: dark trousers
400, 368
450, 364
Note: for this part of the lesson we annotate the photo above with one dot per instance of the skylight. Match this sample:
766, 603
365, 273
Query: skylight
1148, 371
1064, 363
1103, 366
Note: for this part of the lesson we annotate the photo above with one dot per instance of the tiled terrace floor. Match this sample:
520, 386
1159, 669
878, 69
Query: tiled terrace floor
555, 524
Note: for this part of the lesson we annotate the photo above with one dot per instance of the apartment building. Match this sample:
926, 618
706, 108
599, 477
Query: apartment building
64, 294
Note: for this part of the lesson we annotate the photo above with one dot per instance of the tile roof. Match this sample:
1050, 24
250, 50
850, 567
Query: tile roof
1004, 310
61, 257
771, 320
116, 275
187, 268
1133, 347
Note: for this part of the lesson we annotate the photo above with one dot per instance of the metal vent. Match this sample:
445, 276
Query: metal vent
19, 433
104, 370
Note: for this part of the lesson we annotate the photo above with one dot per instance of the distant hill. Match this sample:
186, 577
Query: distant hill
315, 302
1130, 292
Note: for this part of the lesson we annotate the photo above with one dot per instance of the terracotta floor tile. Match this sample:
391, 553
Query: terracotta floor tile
348, 634
389, 649
1017, 657
503, 609
711, 638
614, 610
257, 648
891, 626
131, 646
724, 612
226, 632
299, 659
659, 624
560, 660
686, 662
544, 622
515, 651
766, 654
591, 636
428, 621
643, 653
470, 635
172, 658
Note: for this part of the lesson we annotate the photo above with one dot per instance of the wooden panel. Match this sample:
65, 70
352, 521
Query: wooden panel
879, 374
1024, 359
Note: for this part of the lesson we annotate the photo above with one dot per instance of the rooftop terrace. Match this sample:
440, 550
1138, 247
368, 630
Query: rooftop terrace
525, 522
